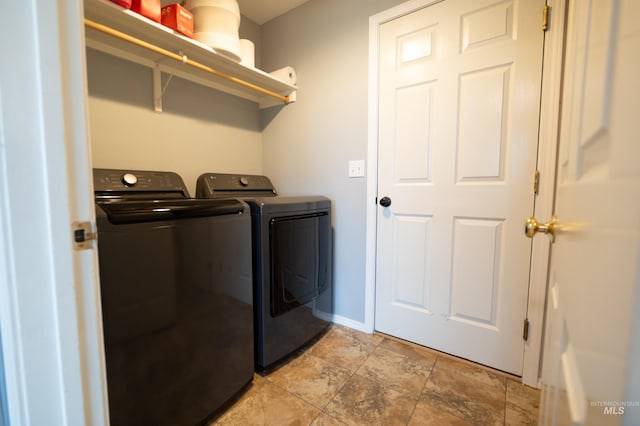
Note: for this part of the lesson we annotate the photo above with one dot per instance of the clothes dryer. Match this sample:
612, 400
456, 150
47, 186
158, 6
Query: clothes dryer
292, 264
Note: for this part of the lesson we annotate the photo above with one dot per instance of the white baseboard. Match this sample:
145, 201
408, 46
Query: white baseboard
339, 319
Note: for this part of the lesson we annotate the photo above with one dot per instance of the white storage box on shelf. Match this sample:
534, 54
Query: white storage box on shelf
202, 64
216, 24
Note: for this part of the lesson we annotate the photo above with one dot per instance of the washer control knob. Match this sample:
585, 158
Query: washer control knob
244, 181
129, 179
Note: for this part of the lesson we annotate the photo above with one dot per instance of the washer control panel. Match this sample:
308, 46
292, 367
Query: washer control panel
133, 181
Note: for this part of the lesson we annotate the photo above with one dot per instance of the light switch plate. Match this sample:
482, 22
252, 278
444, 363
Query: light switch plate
356, 168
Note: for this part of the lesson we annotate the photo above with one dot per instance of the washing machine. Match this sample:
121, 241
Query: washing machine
176, 294
292, 264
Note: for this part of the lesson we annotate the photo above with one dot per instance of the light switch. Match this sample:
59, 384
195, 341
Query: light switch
356, 168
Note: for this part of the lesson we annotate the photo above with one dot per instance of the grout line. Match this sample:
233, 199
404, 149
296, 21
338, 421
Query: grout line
452, 357
506, 385
354, 336
307, 352
296, 396
438, 356
433, 366
353, 373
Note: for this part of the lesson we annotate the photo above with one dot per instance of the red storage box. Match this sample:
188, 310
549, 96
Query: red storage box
178, 18
148, 8
124, 3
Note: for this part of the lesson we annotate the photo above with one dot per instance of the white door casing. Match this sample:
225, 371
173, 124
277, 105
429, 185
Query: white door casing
458, 120
590, 368
547, 158
49, 294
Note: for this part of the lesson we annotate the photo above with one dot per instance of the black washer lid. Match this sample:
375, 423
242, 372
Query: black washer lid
135, 211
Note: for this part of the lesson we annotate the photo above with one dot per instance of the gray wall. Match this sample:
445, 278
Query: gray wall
304, 147
307, 145
201, 130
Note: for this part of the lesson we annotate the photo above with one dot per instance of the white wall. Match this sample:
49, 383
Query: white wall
307, 145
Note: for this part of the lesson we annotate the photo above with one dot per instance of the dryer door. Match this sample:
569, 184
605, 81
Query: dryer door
300, 259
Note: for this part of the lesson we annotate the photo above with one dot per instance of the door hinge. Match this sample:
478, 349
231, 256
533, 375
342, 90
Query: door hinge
545, 17
83, 235
525, 330
536, 182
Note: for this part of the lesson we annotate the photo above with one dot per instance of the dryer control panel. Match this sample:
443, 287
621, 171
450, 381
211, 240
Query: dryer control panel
231, 185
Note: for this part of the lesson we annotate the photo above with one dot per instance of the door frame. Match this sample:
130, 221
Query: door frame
547, 155
50, 315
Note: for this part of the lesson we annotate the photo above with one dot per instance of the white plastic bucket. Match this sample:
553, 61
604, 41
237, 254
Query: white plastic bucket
216, 23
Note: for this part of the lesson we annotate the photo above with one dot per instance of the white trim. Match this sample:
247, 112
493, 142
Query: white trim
11, 356
81, 202
49, 312
396, 12
4, 277
375, 22
372, 181
544, 202
339, 319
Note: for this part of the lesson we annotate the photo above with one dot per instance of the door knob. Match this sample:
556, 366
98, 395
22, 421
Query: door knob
385, 201
531, 227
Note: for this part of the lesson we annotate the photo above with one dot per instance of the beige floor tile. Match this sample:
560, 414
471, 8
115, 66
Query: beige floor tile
394, 383
428, 413
269, 405
478, 375
345, 347
363, 401
466, 392
523, 404
410, 351
403, 373
448, 356
326, 420
312, 379
362, 336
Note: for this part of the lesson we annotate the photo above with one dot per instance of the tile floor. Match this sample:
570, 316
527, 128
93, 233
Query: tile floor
353, 378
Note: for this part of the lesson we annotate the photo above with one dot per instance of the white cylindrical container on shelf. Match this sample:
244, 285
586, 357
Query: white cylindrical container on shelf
216, 24
247, 53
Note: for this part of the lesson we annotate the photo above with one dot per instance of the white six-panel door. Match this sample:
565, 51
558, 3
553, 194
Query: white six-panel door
458, 120
590, 367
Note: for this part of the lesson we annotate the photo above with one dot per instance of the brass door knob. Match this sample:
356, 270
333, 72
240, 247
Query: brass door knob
532, 226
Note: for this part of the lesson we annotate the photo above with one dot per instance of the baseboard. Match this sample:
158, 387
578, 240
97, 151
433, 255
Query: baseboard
339, 319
